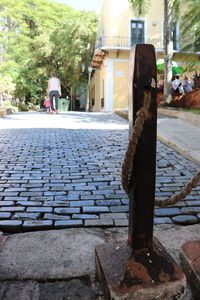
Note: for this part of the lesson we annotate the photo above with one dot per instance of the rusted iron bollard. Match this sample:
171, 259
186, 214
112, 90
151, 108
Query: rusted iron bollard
140, 268
142, 76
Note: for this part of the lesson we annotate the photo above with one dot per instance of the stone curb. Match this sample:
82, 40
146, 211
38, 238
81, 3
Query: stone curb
190, 261
189, 117
5, 111
122, 113
182, 151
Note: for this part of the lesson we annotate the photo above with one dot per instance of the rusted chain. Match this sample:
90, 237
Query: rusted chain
142, 115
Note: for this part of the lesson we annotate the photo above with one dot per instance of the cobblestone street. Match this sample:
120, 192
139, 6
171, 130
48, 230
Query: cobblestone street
59, 171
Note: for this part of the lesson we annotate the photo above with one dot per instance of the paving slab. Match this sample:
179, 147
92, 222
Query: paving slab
70, 253
46, 255
75, 289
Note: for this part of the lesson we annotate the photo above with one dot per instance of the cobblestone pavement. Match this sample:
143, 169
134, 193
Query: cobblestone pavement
59, 171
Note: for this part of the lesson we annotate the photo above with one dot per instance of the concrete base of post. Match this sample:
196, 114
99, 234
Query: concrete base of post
151, 274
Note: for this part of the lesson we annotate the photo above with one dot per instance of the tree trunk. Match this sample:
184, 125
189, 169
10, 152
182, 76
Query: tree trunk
168, 48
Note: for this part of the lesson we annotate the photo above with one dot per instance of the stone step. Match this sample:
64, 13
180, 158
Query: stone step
190, 261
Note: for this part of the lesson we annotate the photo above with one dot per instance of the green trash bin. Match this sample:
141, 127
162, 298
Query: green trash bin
63, 105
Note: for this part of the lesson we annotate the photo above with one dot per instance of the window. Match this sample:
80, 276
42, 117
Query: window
175, 34
137, 32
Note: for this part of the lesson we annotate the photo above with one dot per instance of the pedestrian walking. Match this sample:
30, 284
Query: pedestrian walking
54, 91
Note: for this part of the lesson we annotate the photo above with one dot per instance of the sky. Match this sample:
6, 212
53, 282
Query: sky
95, 5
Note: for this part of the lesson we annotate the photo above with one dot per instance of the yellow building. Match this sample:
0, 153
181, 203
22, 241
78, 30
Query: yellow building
119, 29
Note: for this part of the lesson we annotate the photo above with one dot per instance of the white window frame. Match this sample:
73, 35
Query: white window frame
145, 28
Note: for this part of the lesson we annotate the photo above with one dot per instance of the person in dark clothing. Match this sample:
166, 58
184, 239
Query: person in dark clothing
54, 91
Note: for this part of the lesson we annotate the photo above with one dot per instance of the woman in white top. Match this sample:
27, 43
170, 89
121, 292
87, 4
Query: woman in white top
54, 90
176, 85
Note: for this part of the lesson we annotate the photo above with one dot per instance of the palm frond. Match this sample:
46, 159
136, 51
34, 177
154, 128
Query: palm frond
140, 7
190, 26
176, 9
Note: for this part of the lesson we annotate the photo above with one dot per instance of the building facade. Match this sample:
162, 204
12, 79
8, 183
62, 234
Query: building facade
119, 29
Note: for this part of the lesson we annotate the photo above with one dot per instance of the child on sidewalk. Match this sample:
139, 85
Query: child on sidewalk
47, 104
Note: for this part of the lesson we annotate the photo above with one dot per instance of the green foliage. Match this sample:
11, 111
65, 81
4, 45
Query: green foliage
195, 111
23, 107
140, 7
7, 104
39, 36
190, 26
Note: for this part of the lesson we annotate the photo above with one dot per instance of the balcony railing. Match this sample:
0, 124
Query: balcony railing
121, 42
115, 41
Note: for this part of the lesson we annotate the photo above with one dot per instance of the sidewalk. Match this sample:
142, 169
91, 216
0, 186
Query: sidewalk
177, 130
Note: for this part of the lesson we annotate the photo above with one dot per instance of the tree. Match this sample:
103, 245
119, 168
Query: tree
168, 48
170, 6
39, 36
76, 31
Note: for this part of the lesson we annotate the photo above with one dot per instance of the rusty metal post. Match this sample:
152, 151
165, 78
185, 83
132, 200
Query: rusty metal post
142, 268
142, 75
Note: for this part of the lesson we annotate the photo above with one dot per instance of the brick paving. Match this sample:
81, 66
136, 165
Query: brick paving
57, 175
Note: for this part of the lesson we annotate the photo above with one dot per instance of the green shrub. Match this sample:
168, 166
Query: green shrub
6, 104
23, 107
